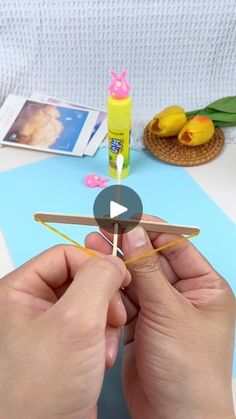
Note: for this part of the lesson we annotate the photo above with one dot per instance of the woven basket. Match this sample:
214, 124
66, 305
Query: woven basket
170, 150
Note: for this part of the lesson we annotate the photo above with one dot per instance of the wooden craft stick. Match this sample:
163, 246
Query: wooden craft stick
115, 239
119, 166
128, 261
87, 220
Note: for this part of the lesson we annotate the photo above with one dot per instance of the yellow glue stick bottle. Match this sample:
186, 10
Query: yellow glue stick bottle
119, 123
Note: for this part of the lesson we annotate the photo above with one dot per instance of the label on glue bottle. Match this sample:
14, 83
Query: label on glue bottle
119, 143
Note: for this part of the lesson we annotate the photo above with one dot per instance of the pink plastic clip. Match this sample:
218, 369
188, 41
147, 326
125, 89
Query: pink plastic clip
93, 180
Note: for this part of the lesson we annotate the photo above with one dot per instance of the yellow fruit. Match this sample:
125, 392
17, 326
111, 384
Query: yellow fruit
169, 122
198, 130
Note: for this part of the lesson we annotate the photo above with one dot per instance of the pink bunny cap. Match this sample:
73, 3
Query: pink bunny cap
119, 88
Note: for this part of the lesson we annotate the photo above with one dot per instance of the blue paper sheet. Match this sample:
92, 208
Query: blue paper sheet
56, 185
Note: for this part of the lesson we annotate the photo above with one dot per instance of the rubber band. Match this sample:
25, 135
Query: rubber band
159, 249
64, 236
128, 261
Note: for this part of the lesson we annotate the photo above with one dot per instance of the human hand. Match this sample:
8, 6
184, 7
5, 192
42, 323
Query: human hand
179, 337
60, 315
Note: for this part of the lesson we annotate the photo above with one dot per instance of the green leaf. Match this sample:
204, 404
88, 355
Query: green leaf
226, 104
219, 116
223, 124
191, 114
222, 111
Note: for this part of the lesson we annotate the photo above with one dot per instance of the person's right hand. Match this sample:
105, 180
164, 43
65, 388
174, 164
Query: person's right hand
179, 340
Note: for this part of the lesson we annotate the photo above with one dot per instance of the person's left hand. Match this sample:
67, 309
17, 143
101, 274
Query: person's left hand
60, 315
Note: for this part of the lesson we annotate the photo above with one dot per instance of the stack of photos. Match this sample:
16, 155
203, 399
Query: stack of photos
50, 124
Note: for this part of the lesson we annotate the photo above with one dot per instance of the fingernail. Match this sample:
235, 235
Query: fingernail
111, 349
118, 262
137, 237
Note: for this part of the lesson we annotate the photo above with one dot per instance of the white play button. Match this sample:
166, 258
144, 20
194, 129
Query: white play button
117, 205
116, 209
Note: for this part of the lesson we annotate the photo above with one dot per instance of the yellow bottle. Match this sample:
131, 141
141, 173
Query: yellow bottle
119, 123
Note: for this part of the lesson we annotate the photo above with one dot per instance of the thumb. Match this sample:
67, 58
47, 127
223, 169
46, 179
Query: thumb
87, 299
148, 279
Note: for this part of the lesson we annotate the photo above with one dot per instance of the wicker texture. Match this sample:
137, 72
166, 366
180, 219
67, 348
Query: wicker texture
171, 151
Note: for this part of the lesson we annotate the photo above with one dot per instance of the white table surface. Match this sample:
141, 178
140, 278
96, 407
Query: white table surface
217, 179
